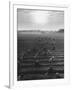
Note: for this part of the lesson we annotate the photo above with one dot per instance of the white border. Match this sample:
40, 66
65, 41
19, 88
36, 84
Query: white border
13, 46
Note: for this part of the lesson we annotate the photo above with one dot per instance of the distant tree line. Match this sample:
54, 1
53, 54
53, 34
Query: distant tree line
61, 30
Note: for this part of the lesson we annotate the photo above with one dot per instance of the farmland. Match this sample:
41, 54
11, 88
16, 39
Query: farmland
34, 51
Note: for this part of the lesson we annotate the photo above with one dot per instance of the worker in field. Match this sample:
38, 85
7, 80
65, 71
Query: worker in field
58, 75
50, 57
37, 55
49, 53
53, 44
19, 67
51, 60
50, 70
36, 60
36, 63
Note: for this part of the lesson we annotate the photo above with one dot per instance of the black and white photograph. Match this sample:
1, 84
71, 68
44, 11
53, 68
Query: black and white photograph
40, 44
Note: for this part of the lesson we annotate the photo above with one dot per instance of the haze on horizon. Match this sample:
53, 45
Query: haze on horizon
39, 20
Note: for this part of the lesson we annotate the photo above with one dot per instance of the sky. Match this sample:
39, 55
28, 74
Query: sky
49, 20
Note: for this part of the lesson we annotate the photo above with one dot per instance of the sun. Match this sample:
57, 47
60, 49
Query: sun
40, 17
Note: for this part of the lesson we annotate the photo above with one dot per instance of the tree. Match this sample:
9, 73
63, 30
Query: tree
61, 30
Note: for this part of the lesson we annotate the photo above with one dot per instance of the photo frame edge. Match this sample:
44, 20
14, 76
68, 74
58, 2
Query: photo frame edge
11, 68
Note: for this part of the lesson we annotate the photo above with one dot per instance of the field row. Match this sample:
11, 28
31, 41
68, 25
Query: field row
40, 76
42, 64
